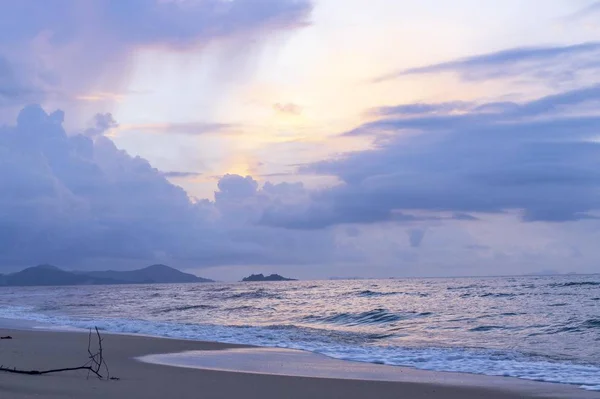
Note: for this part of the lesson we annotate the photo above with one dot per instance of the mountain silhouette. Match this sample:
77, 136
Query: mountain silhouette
46, 275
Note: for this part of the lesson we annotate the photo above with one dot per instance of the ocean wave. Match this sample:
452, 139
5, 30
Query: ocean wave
81, 305
484, 316
369, 293
575, 284
219, 289
257, 294
391, 324
528, 286
488, 295
497, 295
376, 337
591, 323
48, 307
487, 328
243, 308
184, 308
466, 287
375, 316
343, 346
464, 360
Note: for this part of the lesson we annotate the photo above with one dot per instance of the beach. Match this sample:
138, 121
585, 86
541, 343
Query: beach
31, 349
469, 326
284, 199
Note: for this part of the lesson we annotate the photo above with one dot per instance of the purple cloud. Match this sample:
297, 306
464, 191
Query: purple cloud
77, 200
181, 175
525, 157
71, 47
549, 63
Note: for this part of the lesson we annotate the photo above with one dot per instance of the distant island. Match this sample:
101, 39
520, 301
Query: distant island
261, 277
48, 275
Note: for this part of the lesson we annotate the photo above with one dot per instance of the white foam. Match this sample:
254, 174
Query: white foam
296, 363
461, 360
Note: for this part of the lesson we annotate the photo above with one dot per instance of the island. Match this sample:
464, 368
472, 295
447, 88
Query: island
48, 275
261, 277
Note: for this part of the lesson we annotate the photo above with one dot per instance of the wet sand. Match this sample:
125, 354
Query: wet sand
47, 349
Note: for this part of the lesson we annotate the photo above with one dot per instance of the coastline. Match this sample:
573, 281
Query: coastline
475, 326
43, 349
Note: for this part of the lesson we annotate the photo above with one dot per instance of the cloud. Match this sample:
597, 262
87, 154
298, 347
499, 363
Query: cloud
235, 187
181, 175
491, 159
143, 22
422, 108
183, 23
70, 196
71, 47
14, 89
191, 129
288, 108
324, 213
79, 200
549, 63
463, 216
443, 117
475, 247
586, 13
415, 237
102, 124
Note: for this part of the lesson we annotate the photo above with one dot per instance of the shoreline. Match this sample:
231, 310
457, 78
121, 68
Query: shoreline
71, 325
43, 349
434, 327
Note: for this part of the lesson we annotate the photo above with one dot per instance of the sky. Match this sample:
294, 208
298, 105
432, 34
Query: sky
309, 138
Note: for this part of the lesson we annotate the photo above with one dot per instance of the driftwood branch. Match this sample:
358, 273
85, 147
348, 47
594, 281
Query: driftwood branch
96, 364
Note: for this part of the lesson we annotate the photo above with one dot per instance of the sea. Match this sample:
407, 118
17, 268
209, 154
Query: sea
535, 328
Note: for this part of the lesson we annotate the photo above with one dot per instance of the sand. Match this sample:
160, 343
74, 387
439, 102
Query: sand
46, 349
